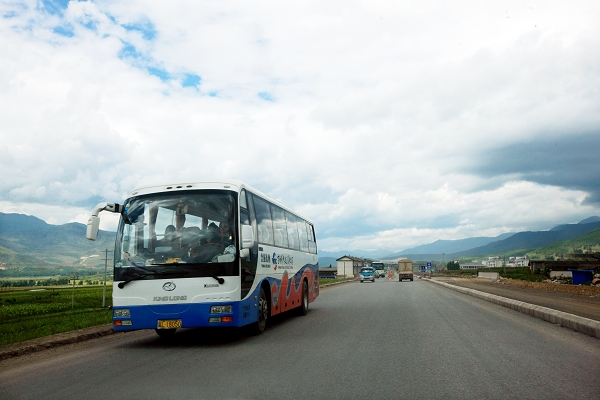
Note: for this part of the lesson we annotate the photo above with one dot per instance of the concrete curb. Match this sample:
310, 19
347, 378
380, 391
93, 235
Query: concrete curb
326, 285
580, 324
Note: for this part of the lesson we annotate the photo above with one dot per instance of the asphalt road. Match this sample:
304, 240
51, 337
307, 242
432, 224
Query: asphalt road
384, 340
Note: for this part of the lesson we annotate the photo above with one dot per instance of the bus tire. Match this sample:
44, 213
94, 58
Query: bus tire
303, 308
166, 333
260, 325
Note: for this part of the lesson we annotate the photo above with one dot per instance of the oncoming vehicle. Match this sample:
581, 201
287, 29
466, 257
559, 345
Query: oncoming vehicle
380, 268
208, 254
367, 274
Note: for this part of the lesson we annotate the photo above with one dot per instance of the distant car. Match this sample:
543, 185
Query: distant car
367, 274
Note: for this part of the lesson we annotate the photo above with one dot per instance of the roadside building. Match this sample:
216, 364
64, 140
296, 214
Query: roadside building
521, 262
327, 272
349, 266
471, 266
493, 262
536, 266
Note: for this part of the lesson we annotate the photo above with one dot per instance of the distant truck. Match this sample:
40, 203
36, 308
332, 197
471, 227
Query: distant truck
405, 270
380, 268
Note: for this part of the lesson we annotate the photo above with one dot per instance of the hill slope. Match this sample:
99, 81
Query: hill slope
451, 246
530, 240
29, 241
580, 244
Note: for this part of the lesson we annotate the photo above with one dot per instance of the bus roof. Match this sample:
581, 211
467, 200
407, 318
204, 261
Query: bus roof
227, 184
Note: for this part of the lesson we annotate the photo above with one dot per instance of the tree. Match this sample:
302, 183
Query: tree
453, 266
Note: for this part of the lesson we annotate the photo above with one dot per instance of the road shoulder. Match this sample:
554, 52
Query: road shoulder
534, 302
48, 342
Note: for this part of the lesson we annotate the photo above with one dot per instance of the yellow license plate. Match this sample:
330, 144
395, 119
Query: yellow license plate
169, 323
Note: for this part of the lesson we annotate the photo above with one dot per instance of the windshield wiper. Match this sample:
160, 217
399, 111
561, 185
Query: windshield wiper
137, 277
220, 280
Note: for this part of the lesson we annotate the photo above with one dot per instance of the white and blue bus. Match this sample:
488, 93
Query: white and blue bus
208, 254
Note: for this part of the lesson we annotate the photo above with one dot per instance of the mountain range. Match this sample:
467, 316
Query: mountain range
476, 246
28, 241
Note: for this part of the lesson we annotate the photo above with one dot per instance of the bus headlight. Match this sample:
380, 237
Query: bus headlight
121, 312
220, 309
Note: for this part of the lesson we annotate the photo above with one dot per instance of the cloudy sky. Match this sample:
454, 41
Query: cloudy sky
389, 124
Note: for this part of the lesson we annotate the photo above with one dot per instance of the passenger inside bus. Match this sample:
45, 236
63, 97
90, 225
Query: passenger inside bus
168, 241
208, 251
180, 214
225, 231
213, 235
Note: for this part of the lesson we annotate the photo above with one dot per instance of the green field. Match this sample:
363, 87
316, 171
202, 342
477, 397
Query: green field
36, 312
325, 281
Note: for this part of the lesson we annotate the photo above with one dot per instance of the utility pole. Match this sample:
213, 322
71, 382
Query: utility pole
106, 251
73, 295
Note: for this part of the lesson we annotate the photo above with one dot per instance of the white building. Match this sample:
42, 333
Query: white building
521, 262
349, 266
493, 262
471, 266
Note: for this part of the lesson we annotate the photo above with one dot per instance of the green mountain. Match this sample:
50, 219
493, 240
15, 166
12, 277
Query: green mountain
590, 242
11, 258
526, 241
451, 246
29, 241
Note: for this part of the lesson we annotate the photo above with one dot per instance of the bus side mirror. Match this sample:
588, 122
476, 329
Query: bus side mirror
93, 225
247, 237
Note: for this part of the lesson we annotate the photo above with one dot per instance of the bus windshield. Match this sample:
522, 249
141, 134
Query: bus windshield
177, 234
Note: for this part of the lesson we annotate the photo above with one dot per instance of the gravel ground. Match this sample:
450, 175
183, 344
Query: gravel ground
583, 306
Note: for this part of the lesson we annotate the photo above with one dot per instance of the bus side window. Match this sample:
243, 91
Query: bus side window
292, 230
281, 235
312, 245
264, 220
244, 218
302, 235
243, 202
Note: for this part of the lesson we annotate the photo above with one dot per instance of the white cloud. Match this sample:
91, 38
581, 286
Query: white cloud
364, 116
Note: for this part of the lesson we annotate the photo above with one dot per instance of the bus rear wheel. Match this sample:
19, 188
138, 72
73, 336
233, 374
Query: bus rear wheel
303, 308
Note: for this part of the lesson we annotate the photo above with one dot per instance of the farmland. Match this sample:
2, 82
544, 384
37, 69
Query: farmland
31, 313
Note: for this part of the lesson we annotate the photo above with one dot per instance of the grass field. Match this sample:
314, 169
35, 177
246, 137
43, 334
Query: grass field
37, 312
324, 281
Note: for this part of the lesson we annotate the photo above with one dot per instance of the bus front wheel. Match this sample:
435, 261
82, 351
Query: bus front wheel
263, 314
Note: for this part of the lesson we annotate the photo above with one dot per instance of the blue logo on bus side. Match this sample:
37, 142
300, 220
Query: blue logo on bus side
274, 258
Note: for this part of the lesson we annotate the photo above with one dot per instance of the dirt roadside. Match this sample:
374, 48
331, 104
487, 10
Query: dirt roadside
581, 305
48, 342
